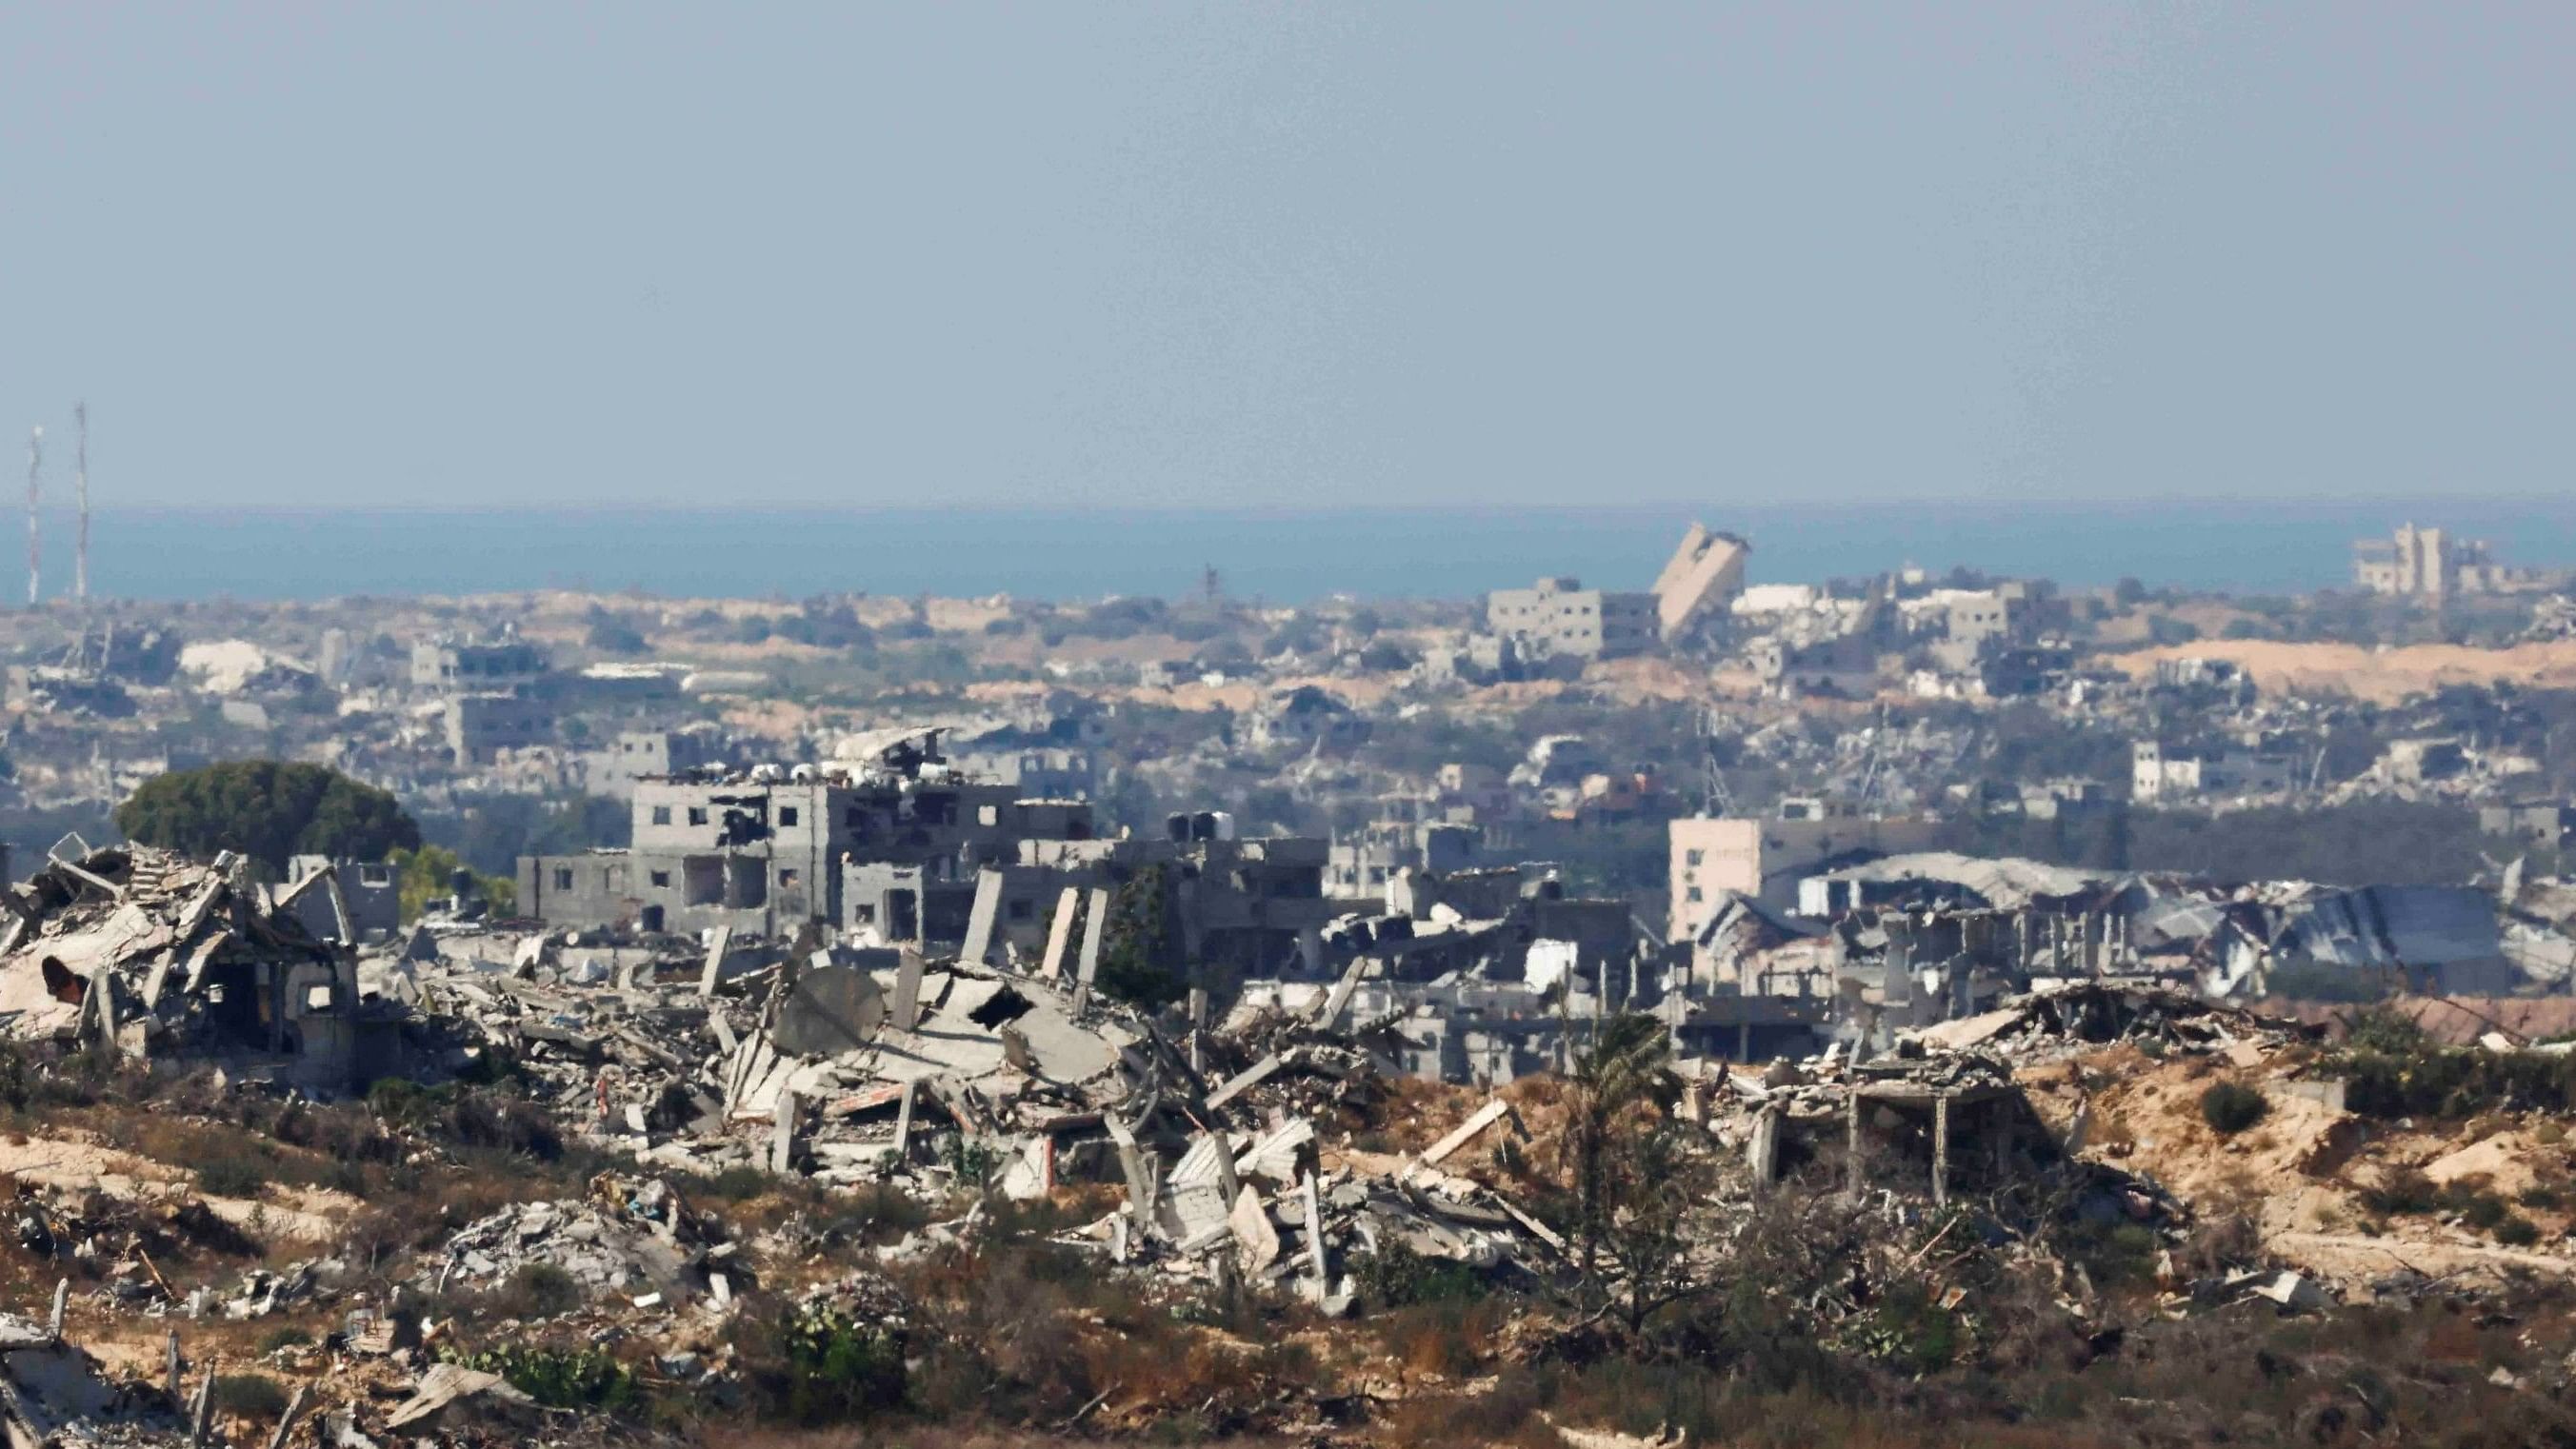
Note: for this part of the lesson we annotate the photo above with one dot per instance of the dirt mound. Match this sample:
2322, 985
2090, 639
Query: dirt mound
2381, 676
2506, 1163
2145, 1118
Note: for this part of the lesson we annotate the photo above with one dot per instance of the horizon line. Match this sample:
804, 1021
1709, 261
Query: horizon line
1709, 510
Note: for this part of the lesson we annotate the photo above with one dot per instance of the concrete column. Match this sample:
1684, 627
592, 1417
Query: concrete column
1068, 907
982, 917
1851, 1147
1941, 1150
1762, 1154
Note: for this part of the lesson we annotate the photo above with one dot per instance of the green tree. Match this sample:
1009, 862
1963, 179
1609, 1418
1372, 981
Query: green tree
1135, 950
1635, 1171
428, 873
268, 810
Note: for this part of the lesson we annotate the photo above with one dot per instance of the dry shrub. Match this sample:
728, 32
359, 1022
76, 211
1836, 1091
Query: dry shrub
1508, 1415
1451, 1338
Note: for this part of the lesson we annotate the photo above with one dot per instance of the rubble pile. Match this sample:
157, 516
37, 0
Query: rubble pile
567, 1019
2064, 1019
632, 1238
137, 950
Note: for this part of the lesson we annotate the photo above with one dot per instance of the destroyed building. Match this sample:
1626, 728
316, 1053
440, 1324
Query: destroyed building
1364, 862
2164, 775
1765, 858
1304, 719
141, 952
1226, 906
633, 756
2430, 564
447, 666
1704, 576
764, 850
363, 903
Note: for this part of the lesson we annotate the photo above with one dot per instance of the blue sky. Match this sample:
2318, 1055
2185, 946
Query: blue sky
1262, 255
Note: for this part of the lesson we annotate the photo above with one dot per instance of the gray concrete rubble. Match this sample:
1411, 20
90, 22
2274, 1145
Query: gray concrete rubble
851, 1067
631, 1239
52, 1393
142, 952
2064, 1019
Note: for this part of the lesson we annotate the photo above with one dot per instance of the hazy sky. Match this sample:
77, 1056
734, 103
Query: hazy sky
1314, 256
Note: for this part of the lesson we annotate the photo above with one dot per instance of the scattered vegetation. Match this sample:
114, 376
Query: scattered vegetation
2231, 1107
563, 1378
254, 1396
2393, 1069
823, 1366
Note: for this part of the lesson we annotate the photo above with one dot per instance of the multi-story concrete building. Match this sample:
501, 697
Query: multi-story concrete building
451, 666
1559, 618
764, 849
1362, 864
1039, 771
479, 726
2164, 775
1765, 859
2429, 564
634, 756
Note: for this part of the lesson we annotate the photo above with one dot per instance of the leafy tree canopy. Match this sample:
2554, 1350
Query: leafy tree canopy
426, 874
268, 810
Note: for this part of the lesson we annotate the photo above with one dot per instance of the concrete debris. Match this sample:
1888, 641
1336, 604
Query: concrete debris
143, 952
2066, 1018
633, 1238
450, 1394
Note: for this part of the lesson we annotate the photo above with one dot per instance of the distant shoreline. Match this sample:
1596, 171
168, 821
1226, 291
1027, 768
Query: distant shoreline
1279, 556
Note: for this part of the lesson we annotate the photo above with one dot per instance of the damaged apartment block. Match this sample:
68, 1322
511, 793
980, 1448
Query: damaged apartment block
764, 850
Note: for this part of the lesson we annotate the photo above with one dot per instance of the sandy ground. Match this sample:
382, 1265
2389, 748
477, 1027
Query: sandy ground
2302, 1171
310, 1215
2382, 676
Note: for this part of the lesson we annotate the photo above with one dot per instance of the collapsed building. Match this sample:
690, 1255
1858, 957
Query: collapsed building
1905, 941
140, 952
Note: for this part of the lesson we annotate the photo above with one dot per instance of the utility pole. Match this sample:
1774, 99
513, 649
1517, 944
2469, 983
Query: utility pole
35, 466
80, 483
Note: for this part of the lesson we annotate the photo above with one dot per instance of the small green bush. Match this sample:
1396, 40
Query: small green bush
254, 1396
539, 1290
288, 1337
564, 1379
233, 1177
2231, 1107
2403, 1193
835, 1369
2517, 1231
1395, 1276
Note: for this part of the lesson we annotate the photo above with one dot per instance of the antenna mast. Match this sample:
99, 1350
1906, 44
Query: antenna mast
35, 465
80, 476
